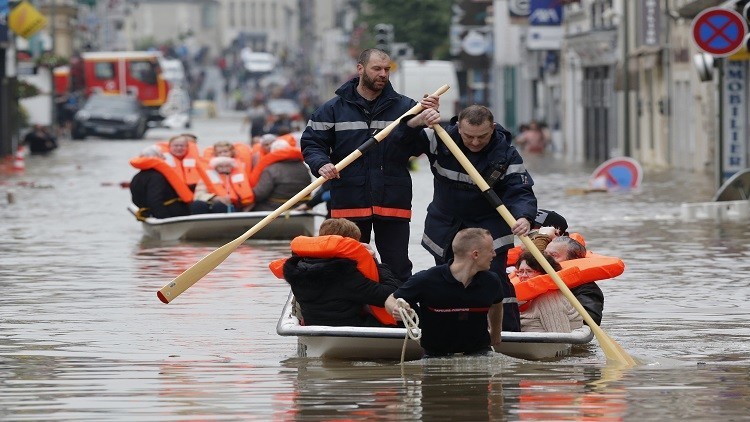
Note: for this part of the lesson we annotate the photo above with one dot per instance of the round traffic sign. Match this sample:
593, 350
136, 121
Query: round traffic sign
718, 31
617, 173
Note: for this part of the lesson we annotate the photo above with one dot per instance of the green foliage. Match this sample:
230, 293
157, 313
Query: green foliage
423, 24
26, 89
51, 61
23, 117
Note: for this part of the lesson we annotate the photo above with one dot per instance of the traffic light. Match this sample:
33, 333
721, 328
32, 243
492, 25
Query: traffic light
384, 36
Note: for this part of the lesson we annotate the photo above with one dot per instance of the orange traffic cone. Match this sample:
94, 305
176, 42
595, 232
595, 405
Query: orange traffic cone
18, 161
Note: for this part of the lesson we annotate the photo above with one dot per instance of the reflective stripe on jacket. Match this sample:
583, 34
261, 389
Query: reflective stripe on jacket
378, 183
457, 201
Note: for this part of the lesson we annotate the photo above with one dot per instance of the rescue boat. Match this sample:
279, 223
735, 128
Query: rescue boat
228, 225
316, 341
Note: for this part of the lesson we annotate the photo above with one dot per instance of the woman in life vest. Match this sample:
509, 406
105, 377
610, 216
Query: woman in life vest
550, 311
334, 278
227, 189
156, 189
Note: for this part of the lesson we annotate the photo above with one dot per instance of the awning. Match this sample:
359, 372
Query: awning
691, 9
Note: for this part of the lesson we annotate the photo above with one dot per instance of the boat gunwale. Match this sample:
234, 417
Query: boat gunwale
288, 325
240, 215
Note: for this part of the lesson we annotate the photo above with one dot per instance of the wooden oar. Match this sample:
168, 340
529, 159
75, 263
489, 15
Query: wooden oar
611, 349
212, 260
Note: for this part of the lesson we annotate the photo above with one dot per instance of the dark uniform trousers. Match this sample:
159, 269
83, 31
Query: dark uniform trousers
392, 242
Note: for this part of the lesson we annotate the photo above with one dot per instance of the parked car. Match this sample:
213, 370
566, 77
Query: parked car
111, 116
258, 63
279, 106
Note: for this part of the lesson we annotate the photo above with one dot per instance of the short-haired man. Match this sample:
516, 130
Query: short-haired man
457, 201
564, 248
375, 191
456, 300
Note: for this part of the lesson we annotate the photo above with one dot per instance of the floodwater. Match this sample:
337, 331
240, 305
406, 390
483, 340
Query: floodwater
83, 336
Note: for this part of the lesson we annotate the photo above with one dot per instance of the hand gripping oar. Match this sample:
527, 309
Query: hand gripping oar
212, 260
611, 349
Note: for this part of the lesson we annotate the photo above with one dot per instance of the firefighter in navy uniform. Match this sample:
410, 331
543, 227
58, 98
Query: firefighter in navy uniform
457, 202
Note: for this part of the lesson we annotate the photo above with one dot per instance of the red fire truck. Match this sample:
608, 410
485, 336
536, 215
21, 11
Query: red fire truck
127, 72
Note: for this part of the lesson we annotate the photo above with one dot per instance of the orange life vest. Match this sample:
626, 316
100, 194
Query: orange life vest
189, 168
290, 139
334, 246
146, 163
575, 272
242, 153
274, 157
234, 184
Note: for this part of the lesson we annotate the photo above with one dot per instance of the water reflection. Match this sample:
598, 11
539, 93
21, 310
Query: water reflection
493, 388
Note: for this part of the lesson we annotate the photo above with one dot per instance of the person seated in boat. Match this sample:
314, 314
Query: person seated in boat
280, 175
261, 148
239, 151
335, 279
156, 189
459, 303
228, 189
549, 312
565, 248
183, 156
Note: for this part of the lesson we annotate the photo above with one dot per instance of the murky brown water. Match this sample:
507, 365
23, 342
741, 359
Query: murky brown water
83, 336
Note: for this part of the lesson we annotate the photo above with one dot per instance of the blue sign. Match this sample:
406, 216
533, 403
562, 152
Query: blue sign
718, 31
4, 10
546, 12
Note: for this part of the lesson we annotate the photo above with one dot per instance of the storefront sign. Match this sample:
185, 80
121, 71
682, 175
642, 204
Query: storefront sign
546, 13
650, 31
735, 118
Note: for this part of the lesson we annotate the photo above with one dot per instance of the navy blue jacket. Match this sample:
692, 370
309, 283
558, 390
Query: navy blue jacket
377, 184
457, 202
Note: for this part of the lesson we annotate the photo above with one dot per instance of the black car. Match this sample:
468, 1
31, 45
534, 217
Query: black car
111, 116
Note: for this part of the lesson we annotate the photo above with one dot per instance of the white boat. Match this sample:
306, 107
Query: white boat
386, 343
228, 226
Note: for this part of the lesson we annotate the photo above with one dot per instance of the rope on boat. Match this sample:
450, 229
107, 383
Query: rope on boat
411, 322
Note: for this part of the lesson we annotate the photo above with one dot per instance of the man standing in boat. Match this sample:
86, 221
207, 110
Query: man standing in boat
374, 191
459, 303
457, 202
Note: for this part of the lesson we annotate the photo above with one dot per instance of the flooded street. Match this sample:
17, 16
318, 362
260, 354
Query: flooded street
84, 337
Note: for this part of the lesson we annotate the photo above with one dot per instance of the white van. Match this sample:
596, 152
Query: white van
414, 78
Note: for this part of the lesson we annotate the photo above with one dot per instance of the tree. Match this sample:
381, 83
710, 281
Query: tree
422, 24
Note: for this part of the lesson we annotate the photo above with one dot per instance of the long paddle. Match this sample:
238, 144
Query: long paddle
212, 260
611, 349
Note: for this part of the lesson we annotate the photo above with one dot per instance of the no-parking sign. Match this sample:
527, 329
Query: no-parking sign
719, 32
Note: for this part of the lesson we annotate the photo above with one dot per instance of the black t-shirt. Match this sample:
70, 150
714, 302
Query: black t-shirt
453, 318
